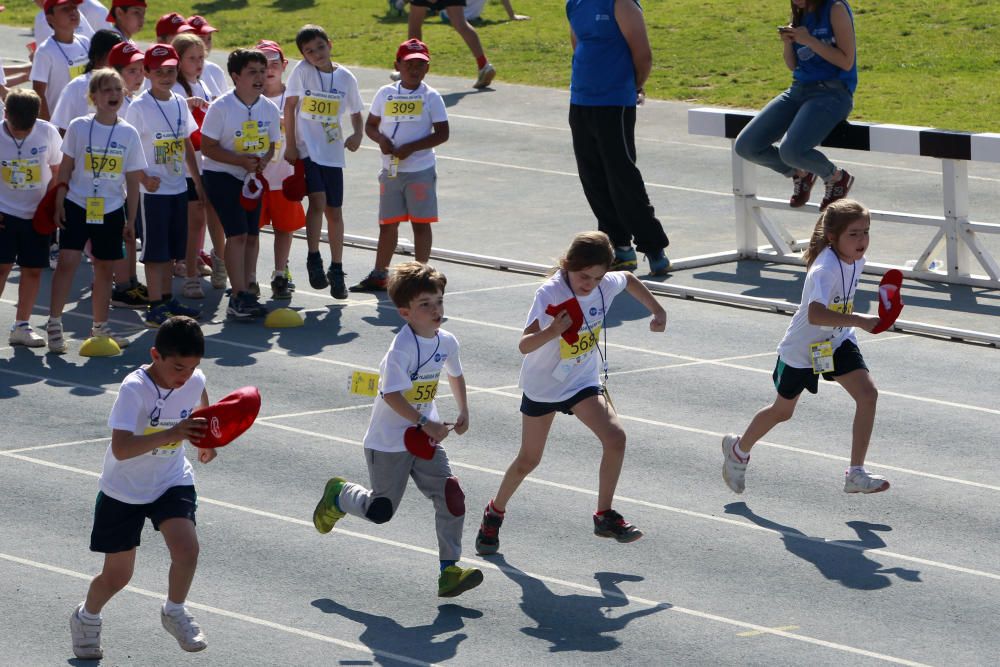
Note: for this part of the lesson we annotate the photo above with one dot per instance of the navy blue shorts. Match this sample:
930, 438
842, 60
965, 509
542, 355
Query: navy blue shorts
790, 381
532, 408
223, 191
19, 242
164, 227
118, 525
106, 242
329, 180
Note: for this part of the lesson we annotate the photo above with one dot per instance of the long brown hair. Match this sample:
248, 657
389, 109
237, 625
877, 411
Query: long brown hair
588, 249
832, 223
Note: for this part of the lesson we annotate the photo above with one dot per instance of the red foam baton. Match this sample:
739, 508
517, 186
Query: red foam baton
229, 418
890, 299
571, 306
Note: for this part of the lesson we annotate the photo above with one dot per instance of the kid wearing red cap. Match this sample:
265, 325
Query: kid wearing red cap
407, 120
169, 25
284, 216
127, 17
29, 155
164, 123
146, 474
42, 30
320, 93
212, 70
60, 58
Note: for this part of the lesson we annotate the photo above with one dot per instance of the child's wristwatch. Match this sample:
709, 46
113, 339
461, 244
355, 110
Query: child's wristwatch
421, 421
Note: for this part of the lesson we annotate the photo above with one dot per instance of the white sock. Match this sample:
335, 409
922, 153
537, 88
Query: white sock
742, 456
276, 274
854, 469
20, 323
87, 615
172, 607
55, 320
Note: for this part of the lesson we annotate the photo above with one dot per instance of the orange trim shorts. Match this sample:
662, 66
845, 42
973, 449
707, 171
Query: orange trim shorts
410, 196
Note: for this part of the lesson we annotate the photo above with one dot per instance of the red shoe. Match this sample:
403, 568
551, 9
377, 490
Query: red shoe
837, 189
801, 188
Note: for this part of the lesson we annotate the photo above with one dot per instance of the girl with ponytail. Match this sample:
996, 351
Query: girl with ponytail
820, 340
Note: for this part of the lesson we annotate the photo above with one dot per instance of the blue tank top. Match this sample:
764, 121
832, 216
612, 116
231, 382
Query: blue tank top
603, 73
811, 67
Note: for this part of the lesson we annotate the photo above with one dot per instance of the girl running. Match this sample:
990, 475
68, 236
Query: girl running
820, 341
559, 376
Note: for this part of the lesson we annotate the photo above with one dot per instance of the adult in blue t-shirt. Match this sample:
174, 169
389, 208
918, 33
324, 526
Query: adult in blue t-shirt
819, 48
611, 61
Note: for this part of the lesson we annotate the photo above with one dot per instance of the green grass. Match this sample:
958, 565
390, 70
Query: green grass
921, 63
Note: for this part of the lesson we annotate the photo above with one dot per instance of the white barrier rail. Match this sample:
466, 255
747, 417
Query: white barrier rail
962, 237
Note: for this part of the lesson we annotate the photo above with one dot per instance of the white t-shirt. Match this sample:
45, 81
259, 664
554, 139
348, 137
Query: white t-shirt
322, 114
163, 126
73, 102
56, 63
205, 88
43, 30
226, 122
826, 282
394, 104
556, 371
143, 479
25, 172
95, 14
217, 77
277, 170
3, 77
400, 370
119, 142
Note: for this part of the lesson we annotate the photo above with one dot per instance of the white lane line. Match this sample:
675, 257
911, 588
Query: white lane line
688, 429
588, 492
223, 612
57, 444
483, 565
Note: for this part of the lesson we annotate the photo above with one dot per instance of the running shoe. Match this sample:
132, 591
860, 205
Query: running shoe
338, 288
659, 265
23, 334
104, 331
279, 288
157, 315
192, 289
374, 282
455, 580
177, 308
625, 260
837, 189
734, 469
54, 333
86, 635
314, 267
611, 524
485, 78
861, 481
219, 275
326, 514
184, 629
488, 538
801, 189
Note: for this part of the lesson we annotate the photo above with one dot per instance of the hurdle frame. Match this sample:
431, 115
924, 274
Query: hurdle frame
963, 246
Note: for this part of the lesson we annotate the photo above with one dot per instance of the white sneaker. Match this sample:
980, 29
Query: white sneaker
219, 275
185, 630
23, 334
734, 471
485, 78
86, 636
54, 332
192, 289
105, 331
861, 481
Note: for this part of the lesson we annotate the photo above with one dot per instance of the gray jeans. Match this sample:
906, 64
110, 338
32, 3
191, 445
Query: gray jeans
388, 472
804, 114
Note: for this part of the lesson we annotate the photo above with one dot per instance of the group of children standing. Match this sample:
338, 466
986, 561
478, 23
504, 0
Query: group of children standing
154, 146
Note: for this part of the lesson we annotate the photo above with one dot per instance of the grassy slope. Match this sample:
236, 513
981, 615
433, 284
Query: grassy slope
922, 63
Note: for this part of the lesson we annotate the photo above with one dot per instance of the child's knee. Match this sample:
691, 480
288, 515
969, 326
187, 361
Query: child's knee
781, 412
185, 554
614, 440
380, 510
525, 463
867, 394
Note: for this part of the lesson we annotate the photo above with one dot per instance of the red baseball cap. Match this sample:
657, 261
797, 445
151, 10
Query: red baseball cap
124, 54
229, 418
172, 24
43, 221
270, 46
161, 55
413, 49
200, 25
50, 4
294, 186
122, 3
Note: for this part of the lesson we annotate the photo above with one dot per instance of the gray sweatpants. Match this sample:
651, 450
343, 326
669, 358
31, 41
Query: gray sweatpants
388, 472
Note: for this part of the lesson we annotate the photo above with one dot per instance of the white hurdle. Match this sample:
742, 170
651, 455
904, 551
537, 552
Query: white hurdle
954, 149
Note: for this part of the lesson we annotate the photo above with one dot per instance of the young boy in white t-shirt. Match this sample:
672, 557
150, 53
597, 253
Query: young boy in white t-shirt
165, 124
238, 137
407, 120
320, 93
146, 474
42, 30
408, 380
29, 158
60, 58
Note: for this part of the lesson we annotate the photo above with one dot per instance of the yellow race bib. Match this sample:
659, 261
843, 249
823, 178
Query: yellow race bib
584, 345
404, 108
23, 174
163, 450
822, 357
320, 106
95, 210
363, 383
107, 165
250, 141
169, 152
422, 391
78, 69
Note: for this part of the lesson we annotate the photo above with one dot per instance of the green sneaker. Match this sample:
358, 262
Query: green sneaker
456, 580
326, 513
